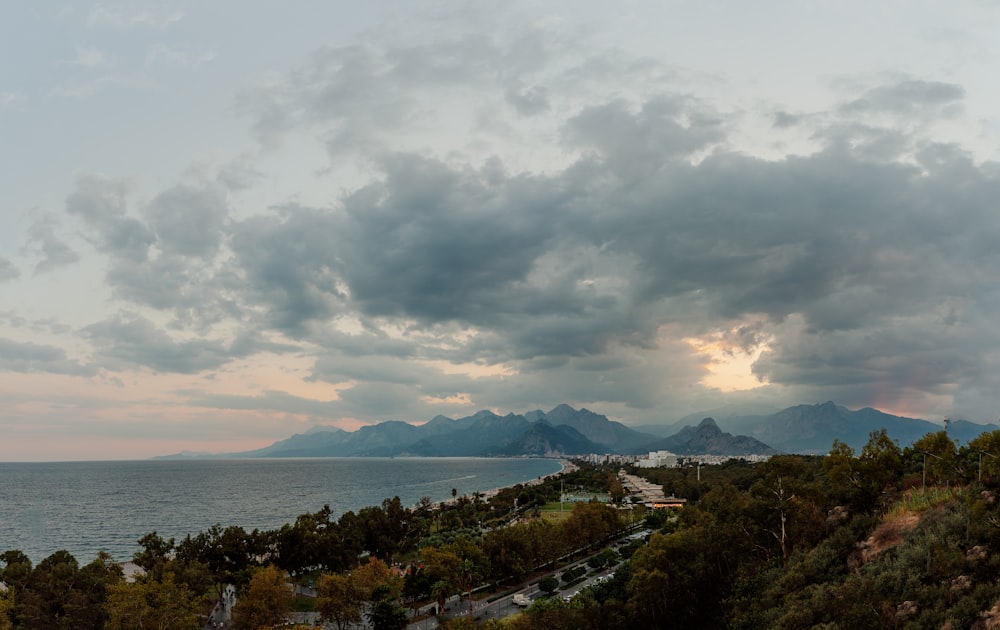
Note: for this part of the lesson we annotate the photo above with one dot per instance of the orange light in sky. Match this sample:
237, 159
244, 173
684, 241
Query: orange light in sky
727, 368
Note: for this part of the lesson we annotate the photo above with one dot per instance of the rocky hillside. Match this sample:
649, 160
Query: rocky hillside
708, 439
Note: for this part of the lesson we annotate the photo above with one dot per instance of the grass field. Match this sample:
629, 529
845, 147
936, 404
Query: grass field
552, 511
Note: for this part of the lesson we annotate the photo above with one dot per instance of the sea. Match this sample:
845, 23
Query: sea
88, 507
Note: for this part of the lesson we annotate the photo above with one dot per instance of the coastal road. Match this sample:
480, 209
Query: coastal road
504, 606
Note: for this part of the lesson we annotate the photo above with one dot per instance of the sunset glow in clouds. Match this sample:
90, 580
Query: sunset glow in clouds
227, 222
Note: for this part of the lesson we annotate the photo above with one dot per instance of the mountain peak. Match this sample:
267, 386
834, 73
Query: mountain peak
561, 410
709, 423
323, 428
708, 439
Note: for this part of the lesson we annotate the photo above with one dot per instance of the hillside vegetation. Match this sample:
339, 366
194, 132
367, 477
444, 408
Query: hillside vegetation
884, 538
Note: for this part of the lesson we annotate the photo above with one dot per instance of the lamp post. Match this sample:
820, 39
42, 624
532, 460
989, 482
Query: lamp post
981, 453
923, 482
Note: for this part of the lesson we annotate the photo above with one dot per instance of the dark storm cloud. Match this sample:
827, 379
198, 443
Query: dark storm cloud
288, 268
664, 129
783, 120
26, 357
188, 221
369, 400
7, 270
266, 401
378, 368
437, 244
527, 101
909, 97
364, 91
102, 204
378, 400
45, 242
165, 257
136, 341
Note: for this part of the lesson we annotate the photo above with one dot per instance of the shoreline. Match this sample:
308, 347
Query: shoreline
85, 508
565, 466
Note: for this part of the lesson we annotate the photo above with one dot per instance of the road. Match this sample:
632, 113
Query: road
503, 606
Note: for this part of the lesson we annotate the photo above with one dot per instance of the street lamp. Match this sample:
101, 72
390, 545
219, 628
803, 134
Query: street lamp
981, 453
923, 482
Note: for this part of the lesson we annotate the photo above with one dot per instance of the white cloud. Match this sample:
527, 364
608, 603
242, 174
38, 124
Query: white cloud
132, 15
9, 98
89, 58
185, 56
87, 89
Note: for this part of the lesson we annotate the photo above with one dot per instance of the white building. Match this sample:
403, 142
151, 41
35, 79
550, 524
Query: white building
658, 459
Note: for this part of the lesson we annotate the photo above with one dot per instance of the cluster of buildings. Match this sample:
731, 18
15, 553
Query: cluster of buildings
650, 494
609, 458
666, 459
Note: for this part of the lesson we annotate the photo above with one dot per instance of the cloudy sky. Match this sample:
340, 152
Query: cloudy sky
222, 223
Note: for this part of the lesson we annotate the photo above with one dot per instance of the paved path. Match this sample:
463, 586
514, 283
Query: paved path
222, 613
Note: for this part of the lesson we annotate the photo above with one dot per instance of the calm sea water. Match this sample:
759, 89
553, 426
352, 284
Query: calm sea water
85, 507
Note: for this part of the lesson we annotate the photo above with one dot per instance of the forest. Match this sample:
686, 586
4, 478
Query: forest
886, 537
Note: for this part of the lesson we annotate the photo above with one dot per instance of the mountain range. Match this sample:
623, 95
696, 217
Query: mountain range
566, 431
561, 431
813, 428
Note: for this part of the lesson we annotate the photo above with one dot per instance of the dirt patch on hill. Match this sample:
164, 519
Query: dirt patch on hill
887, 535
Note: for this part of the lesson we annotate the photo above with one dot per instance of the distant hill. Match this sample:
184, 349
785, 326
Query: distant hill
813, 428
598, 429
708, 439
563, 431
544, 440
478, 435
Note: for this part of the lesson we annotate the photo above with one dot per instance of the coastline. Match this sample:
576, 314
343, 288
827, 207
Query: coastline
565, 466
87, 507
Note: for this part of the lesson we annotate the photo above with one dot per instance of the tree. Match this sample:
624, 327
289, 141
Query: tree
230, 553
554, 614
459, 564
548, 584
339, 600
17, 569
151, 604
603, 559
469, 576
265, 602
386, 613
58, 594
6, 609
375, 575
155, 552
317, 541
882, 461
843, 470
590, 524
508, 552
440, 591
937, 452
986, 447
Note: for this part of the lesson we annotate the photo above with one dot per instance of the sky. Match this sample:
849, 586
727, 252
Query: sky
223, 223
